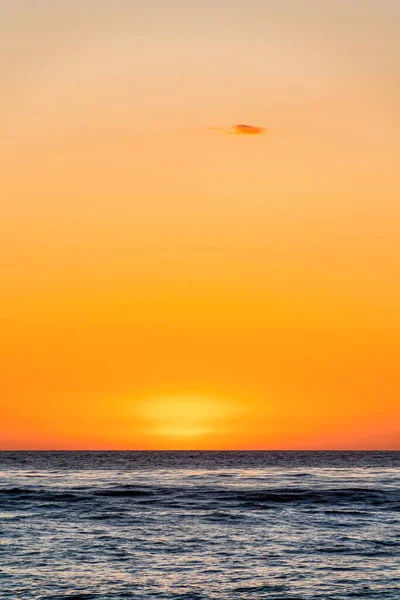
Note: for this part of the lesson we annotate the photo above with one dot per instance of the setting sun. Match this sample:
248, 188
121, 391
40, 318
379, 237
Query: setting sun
184, 416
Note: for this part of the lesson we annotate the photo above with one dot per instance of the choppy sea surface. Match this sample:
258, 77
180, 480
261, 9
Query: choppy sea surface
200, 525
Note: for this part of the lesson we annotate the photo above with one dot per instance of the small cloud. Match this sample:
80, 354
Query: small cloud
247, 130
242, 130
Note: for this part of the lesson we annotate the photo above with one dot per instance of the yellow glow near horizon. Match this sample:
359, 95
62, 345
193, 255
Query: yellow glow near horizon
186, 416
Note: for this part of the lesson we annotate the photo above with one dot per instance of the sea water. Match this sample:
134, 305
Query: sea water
200, 525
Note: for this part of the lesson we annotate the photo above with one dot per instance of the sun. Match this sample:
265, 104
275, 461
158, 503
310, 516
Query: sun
184, 416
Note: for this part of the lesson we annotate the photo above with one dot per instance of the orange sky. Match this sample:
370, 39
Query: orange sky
167, 286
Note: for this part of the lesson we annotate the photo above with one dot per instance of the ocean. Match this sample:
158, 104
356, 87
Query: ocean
200, 525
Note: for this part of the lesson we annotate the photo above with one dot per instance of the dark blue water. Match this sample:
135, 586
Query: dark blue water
201, 525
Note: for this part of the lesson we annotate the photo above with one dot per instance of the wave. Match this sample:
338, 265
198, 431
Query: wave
125, 493
17, 493
303, 495
203, 497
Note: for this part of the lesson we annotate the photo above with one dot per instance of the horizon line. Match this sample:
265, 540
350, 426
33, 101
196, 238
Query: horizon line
200, 450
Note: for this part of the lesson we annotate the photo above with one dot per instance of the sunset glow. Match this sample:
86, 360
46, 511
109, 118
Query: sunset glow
185, 416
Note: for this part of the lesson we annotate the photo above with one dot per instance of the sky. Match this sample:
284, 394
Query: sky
168, 286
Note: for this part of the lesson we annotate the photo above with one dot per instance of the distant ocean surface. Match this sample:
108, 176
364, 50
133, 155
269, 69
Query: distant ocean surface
200, 525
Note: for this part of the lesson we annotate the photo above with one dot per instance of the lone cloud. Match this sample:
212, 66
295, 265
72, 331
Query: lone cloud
242, 130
